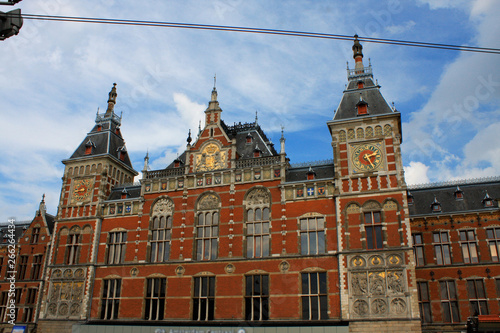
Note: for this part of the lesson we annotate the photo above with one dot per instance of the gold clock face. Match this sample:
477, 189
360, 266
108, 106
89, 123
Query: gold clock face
366, 157
82, 189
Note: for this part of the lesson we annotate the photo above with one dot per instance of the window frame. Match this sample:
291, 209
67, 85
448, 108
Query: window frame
443, 246
258, 232
36, 266
257, 301
449, 301
35, 235
424, 302
73, 245
203, 298
469, 246
154, 298
419, 249
207, 234
23, 267
478, 301
29, 309
116, 247
314, 295
374, 233
312, 232
493, 239
161, 238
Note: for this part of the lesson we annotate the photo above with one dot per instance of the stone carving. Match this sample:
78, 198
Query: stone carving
379, 306
57, 274
353, 209
342, 136
229, 268
395, 282
52, 309
179, 270
387, 130
398, 306
369, 132
134, 271
377, 283
284, 266
258, 196
66, 293
394, 260
390, 205
208, 201
359, 283
210, 158
360, 307
376, 261
79, 274
163, 207
63, 309
68, 274
371, 205
75, 309
358, 262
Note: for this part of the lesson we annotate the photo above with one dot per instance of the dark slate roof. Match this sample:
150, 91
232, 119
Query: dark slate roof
106, 140
50, 222
473, 196
325, 171
259, 140
20, 228
133, 191
370, 94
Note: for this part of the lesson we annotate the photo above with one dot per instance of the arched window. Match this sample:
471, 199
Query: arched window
161, 229
257, 223
207, 227
73, 246
312, 234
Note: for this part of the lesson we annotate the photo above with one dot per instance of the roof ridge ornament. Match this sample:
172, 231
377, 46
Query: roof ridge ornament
111, 100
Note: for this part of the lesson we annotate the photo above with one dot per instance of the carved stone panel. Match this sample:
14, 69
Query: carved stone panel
66, 293
377, 286
163, 207
258, 196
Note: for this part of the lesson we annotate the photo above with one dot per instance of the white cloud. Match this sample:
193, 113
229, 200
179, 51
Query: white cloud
416, 173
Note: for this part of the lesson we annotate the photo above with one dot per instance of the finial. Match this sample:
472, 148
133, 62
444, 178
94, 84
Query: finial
111, 100
256, 118
282, 129
347, 62
215, 80
189, 137
43, 197
370, 62
393, 107
199, 127
146, 162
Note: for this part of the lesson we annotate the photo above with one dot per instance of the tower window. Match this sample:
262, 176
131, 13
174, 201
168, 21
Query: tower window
361, 85
373, 229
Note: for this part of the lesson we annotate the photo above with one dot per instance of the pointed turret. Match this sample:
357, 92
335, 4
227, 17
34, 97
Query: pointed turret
357, 50
111, 100
213, 111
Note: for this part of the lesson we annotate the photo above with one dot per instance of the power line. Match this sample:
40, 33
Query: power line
259, 31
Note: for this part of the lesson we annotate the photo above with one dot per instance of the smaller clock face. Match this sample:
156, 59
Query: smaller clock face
82, 188
366, 157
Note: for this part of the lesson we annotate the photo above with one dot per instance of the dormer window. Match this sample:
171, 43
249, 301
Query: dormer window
177, 163
99, 128
122, 152
311, 174
436, 206
487, 201
362, 106
257, 152
124, 194
361, 84
117, 130
89, 146
249, 138
410, 198
459, 194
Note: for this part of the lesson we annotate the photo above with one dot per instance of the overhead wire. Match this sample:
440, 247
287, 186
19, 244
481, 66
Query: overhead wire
259, 31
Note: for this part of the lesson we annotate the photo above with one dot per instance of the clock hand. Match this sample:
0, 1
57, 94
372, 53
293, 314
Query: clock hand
366, 157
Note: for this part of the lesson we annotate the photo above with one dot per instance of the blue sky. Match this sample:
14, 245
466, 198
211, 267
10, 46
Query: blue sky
55, 75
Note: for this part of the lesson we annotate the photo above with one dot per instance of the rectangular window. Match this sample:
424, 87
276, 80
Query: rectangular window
29, 310
493, 236
314, 296
116, 247
418, 245
442, 248
35, 233
160, 239
257, 233
424, 302
204, 298
207, 233
1, 269
257, 297
498, 289
4, 297
312, 235
36, 267
155, 298
23, 264
469, 246
111, 299
477, 297
373, 229
72, 249
449, 302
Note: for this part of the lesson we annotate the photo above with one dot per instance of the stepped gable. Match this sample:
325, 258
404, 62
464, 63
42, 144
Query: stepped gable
105, 138
472, 198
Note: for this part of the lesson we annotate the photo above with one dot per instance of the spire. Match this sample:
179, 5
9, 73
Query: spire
189, 139
42, 208
256, 119
357, 50
214, 90
111, 100
146, 162
282, 140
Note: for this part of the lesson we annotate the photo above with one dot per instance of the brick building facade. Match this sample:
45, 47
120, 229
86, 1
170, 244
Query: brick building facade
231, 237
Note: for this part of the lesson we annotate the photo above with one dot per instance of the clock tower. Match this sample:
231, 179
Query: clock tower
376, 263
100, 162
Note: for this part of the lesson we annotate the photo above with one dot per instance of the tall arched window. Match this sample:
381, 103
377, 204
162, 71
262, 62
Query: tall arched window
161, 228
257, 223
73, 246
207, 227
